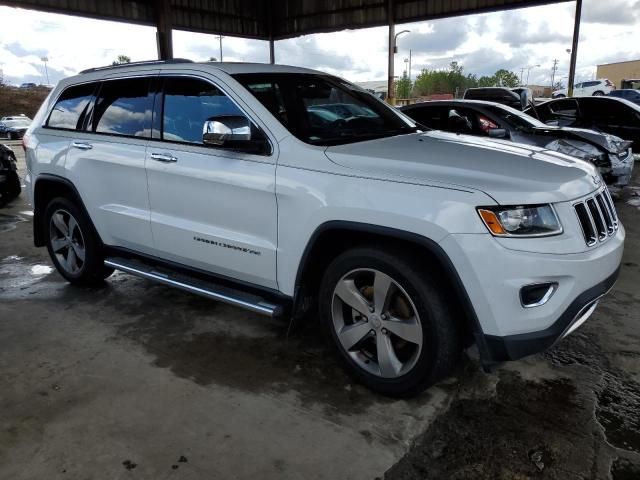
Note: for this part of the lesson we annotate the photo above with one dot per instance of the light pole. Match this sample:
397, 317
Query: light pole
220, 38
46, 70
393, 49
528, 71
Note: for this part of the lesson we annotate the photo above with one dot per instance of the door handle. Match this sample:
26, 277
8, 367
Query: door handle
164, 157
82, 145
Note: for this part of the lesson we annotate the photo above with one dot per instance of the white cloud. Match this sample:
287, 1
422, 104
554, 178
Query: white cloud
481, 43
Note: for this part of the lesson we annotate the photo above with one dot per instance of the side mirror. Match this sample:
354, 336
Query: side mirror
226, 129
552, 123
497, 133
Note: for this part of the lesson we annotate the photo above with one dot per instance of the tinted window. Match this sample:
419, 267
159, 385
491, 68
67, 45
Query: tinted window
124, 108
270, 96
590, 84
71, 108
565, 107
188, 103
612, 112
324, 110
429, 116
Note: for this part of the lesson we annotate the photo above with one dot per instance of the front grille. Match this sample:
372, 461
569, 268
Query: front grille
597, 217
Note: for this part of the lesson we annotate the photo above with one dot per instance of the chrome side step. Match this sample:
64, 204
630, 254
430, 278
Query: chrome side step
203, 288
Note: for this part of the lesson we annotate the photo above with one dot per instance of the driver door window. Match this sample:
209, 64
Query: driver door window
188, 103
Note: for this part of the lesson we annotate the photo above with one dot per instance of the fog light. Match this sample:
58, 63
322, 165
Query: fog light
537, 294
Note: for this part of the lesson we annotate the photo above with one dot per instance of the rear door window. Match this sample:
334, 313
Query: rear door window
564, 108
124, 107
431, 117
611, 112
188, 103
71, 107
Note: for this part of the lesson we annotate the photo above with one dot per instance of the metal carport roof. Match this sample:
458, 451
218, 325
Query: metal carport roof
278, 19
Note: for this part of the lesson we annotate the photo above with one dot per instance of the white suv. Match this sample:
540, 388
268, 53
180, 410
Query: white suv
289, 191
590, 88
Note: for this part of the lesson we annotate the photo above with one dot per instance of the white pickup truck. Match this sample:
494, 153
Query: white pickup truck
288, 191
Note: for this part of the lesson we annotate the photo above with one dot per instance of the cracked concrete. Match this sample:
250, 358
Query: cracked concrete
134, 379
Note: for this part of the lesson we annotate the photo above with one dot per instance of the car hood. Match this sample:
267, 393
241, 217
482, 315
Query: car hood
610, 143
510, 173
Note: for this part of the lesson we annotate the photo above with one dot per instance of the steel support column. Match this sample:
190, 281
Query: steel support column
392, 33
574, 48
164, 40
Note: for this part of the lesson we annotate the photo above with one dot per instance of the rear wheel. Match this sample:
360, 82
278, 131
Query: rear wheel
73, 245
598, 94
389, 323
560, 96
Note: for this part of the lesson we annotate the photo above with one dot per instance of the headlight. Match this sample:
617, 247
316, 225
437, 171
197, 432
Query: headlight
521, 221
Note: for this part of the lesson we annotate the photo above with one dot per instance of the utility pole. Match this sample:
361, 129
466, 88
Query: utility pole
554, 69
409, 65
574, 47
46, 71
521, 74
220, 38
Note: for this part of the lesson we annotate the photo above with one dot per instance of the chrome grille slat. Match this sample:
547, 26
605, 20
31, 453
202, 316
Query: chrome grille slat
604, 209
597, 217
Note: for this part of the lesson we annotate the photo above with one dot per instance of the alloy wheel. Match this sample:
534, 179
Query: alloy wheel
67, 241
376, 323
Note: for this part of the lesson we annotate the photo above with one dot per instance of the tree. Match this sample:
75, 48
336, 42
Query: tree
505, 78
403, 86
121, 59
213, 59
452, 80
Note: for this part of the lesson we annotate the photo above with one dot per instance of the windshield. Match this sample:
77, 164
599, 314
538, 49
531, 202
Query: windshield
519, 120
324, 110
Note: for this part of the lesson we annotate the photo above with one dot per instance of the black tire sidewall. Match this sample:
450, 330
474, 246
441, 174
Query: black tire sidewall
430, 304
92, 270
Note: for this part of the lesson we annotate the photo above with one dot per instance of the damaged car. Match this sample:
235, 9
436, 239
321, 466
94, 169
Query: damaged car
612, 155
9, 179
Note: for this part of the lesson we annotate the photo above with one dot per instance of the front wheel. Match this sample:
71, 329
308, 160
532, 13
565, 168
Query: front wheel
598, 94
73, 244
389, 322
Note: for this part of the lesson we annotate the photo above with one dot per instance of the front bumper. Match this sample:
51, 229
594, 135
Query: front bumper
493, 276
622, 168
513, 347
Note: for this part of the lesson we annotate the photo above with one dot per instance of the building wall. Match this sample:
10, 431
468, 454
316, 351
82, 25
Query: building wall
616, 72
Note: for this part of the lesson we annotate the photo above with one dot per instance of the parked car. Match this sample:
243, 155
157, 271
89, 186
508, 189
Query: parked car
595, 88
411, 245
630, 94
611, 155
22, 116
14, 129
616, 116
502, 95
9, 179
28, 85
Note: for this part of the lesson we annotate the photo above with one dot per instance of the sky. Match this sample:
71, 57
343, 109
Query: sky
481, 43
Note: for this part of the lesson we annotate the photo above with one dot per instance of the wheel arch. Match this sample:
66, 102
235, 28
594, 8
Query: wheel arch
333, 237
46, 188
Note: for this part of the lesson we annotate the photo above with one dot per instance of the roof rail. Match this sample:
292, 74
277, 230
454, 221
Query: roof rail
144, 62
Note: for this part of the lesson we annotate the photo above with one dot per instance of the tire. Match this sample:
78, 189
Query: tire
414, 306
598, 94
70, 237
560, 96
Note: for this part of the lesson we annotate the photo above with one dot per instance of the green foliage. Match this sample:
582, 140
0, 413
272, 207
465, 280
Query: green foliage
505, 78
453, 80
403, 86
121, 59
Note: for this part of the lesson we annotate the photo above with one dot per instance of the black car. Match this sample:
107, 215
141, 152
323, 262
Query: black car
630, 94
616, 116
9, 179
502, 95
610, 154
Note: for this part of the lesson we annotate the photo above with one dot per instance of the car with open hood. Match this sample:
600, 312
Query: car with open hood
610, 154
